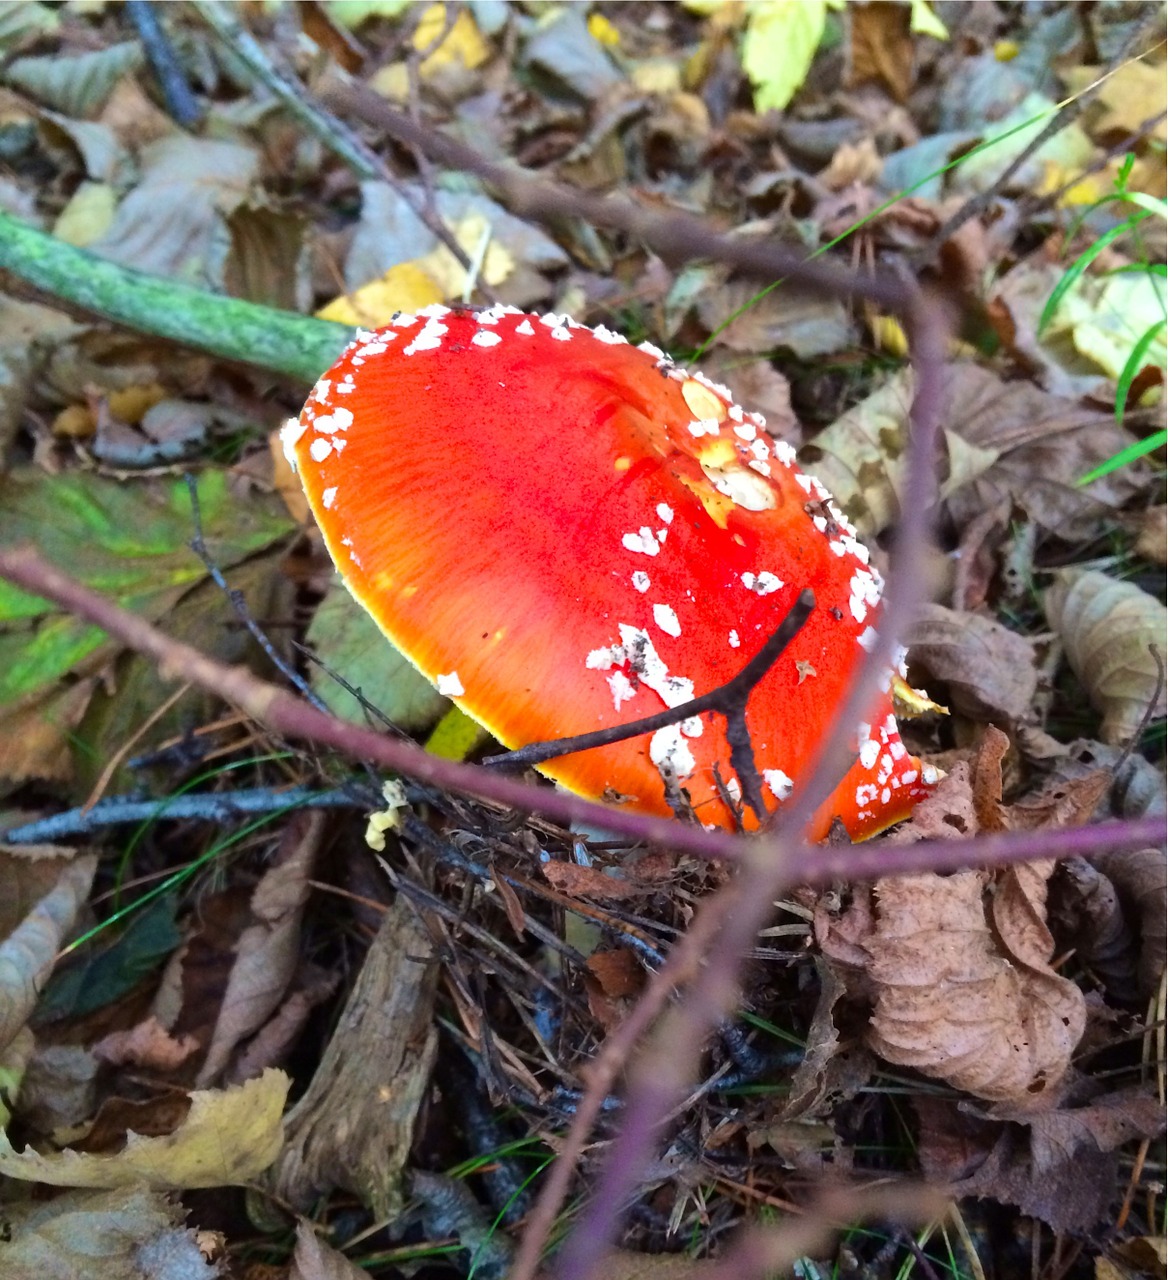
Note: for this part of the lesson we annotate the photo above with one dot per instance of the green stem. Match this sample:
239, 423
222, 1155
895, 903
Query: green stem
299, 346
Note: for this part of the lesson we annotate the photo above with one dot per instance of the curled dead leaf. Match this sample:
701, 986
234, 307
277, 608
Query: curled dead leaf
1109, 630
977, 1007
988, 668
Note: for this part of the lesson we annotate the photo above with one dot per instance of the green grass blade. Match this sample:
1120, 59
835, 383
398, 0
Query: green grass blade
1124, 456
1135, 362
1074, 273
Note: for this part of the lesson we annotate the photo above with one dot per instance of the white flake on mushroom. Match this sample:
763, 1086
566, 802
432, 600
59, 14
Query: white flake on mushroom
670, 753
622, 688
869, 754
651, 350
867, 639
666, 619
525, 329
734, 640
781, 786
328, 497
665, 512
486, 339
601, 334
329, 423
641, 581
561, 334
320, 449
290, 433
643, 542
429, 338
704, 427
762, 584
450, 686
785, 453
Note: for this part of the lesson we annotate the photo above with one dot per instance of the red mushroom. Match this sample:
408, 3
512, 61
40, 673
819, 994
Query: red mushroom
564, 532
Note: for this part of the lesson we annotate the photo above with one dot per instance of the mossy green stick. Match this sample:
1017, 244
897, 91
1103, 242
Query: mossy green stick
299, 346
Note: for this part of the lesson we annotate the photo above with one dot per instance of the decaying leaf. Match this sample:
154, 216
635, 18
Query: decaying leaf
123, 1234
1111, 631
1139, 878
229, 1136
267, 952
950, 1003
988, 669
347, 641
28, 954
313, 1259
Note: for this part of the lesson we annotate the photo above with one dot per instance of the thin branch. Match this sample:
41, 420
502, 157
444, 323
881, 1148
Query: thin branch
339, 139
728, 700
286, 714
182, 104
218, 807
674, 237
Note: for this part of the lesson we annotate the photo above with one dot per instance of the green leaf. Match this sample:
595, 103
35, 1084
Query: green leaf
128, 541
778, 48
349, 642
924, 22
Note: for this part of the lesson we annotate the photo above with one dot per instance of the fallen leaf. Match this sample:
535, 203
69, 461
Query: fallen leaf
779, 46
127, 1233
229, 1137
29, 953
989, 671
1110, 630
588, 882
313, 1259
881, 46
268, 950
952, 1005
346, 640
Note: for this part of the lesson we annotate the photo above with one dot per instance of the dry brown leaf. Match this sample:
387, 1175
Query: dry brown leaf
267, 952
29, 953
1045, 443
952, 1005
1152, 542
989, 670
1109, 630
1140, 880
881, 46
148, 1044
587, 882
313, 1259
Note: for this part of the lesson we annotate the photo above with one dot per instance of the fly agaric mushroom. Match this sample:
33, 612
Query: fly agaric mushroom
563, 532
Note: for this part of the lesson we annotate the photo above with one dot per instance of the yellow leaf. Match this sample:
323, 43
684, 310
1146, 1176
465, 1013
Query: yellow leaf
1006, 50
88, 214
911, 703
391, 81
404, 287
888, 335
455, 736
471, 233
229, 1136
778, 48
464, 42
924, 22
602, 31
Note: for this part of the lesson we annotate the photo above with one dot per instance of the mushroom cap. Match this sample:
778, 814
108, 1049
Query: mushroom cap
565, 532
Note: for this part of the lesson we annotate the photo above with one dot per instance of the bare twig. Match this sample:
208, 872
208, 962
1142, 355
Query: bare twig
728, 700
674, 237
180, 101
335, 135
286, 714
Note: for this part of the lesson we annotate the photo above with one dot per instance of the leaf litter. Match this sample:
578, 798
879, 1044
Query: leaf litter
442, 1020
